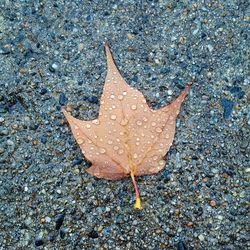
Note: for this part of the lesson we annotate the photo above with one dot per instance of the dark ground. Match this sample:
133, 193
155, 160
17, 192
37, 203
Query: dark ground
51, 54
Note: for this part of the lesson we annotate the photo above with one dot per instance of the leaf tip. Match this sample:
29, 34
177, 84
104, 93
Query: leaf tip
138, 203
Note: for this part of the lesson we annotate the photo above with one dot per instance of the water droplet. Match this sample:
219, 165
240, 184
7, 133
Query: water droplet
113, 106
80, 141
137, 143
158, 130
142, 134
117, 139
88, 125
155, 157
145, 119
120, 152
96, 121
95, 136
110, 142
152, 136
167, 136
144, 101
102, 150
124, 122
133, 107
102, 102
113, 117
139, 123
124, 93
112, 96
161, 162
153, 124
77, 133
91, 148
135, 156
115, 148
120, 97
138, 139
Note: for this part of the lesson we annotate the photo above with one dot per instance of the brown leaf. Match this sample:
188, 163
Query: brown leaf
128, 137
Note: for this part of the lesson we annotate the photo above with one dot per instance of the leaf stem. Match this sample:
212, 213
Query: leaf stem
137, 194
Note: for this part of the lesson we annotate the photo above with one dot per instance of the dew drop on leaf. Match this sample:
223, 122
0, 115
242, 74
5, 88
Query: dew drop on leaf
139, 123
80, 141
155, 157
120, 152
102, 150
133, 107
124, 122
161, 162
158, 130
96, 121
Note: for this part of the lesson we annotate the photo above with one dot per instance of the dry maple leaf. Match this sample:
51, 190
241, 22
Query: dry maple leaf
128, 137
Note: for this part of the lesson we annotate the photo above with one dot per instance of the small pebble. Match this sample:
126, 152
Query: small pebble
181, 246
39, 242
10, 143
227, 106
201, 237
212, 203
63, 99
53, 67
93, 99
93, 234
170, 92
59, 220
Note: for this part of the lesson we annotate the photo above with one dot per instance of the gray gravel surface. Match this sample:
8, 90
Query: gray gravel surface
51, 54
